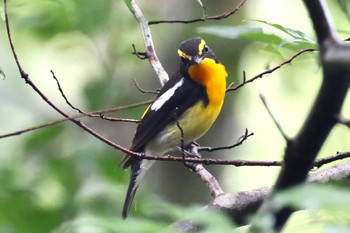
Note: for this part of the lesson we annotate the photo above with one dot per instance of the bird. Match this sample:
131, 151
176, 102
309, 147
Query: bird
183, 111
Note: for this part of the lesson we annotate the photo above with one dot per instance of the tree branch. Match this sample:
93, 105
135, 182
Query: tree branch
237, 163
269, 71
279, 127
247, 202
303, 149
147, 38
211, 182
203, 19
99, 112
239, 206
142, 90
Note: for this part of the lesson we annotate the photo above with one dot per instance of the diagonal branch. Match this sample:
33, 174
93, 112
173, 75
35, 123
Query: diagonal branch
278, 125
64, 95
101, 115
147, 38
203, 19
142, 90
99, 112
269, 71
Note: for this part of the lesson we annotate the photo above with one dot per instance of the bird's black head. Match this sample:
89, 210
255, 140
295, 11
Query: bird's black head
194, 50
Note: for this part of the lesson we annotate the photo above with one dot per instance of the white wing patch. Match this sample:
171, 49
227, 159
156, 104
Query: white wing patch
166, 96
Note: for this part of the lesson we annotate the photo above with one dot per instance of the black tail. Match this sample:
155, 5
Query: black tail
133, 185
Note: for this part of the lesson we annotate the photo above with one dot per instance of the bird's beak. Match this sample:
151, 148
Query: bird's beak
197, 59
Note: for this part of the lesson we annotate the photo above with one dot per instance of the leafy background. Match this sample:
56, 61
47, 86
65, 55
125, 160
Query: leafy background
60, 179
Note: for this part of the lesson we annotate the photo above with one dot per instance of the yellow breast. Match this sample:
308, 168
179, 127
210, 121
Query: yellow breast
197, 120
212, 75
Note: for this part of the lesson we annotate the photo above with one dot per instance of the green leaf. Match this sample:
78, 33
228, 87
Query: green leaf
293, 33
251, 33
274, 42
296, 34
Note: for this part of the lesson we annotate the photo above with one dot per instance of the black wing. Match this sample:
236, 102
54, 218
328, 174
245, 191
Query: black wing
154, 121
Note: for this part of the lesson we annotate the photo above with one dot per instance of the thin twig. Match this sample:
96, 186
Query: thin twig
339, 156
33, 128
238, 143
2, 74
182, 140
140, 55
279, 127
268, 71
102, 116
100, 112
204, 10
142, 90
237, 163
64, 96
118, 119
341, 120
230, 85
203, 19
24, 75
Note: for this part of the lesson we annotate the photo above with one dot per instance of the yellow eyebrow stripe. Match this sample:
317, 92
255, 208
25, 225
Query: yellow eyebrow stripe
184, 55
201, 47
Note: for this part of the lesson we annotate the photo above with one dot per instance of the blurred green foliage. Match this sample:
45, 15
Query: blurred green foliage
59, 179
48, 18
328, 209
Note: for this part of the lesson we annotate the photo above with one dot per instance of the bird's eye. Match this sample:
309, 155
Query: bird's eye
206, 49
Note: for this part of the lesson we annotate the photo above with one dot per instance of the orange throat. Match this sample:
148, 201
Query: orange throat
212, 75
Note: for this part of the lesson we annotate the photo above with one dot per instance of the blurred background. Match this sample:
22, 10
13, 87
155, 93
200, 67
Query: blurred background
62, 179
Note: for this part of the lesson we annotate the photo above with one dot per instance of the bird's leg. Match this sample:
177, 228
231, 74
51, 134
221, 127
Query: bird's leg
190, 150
